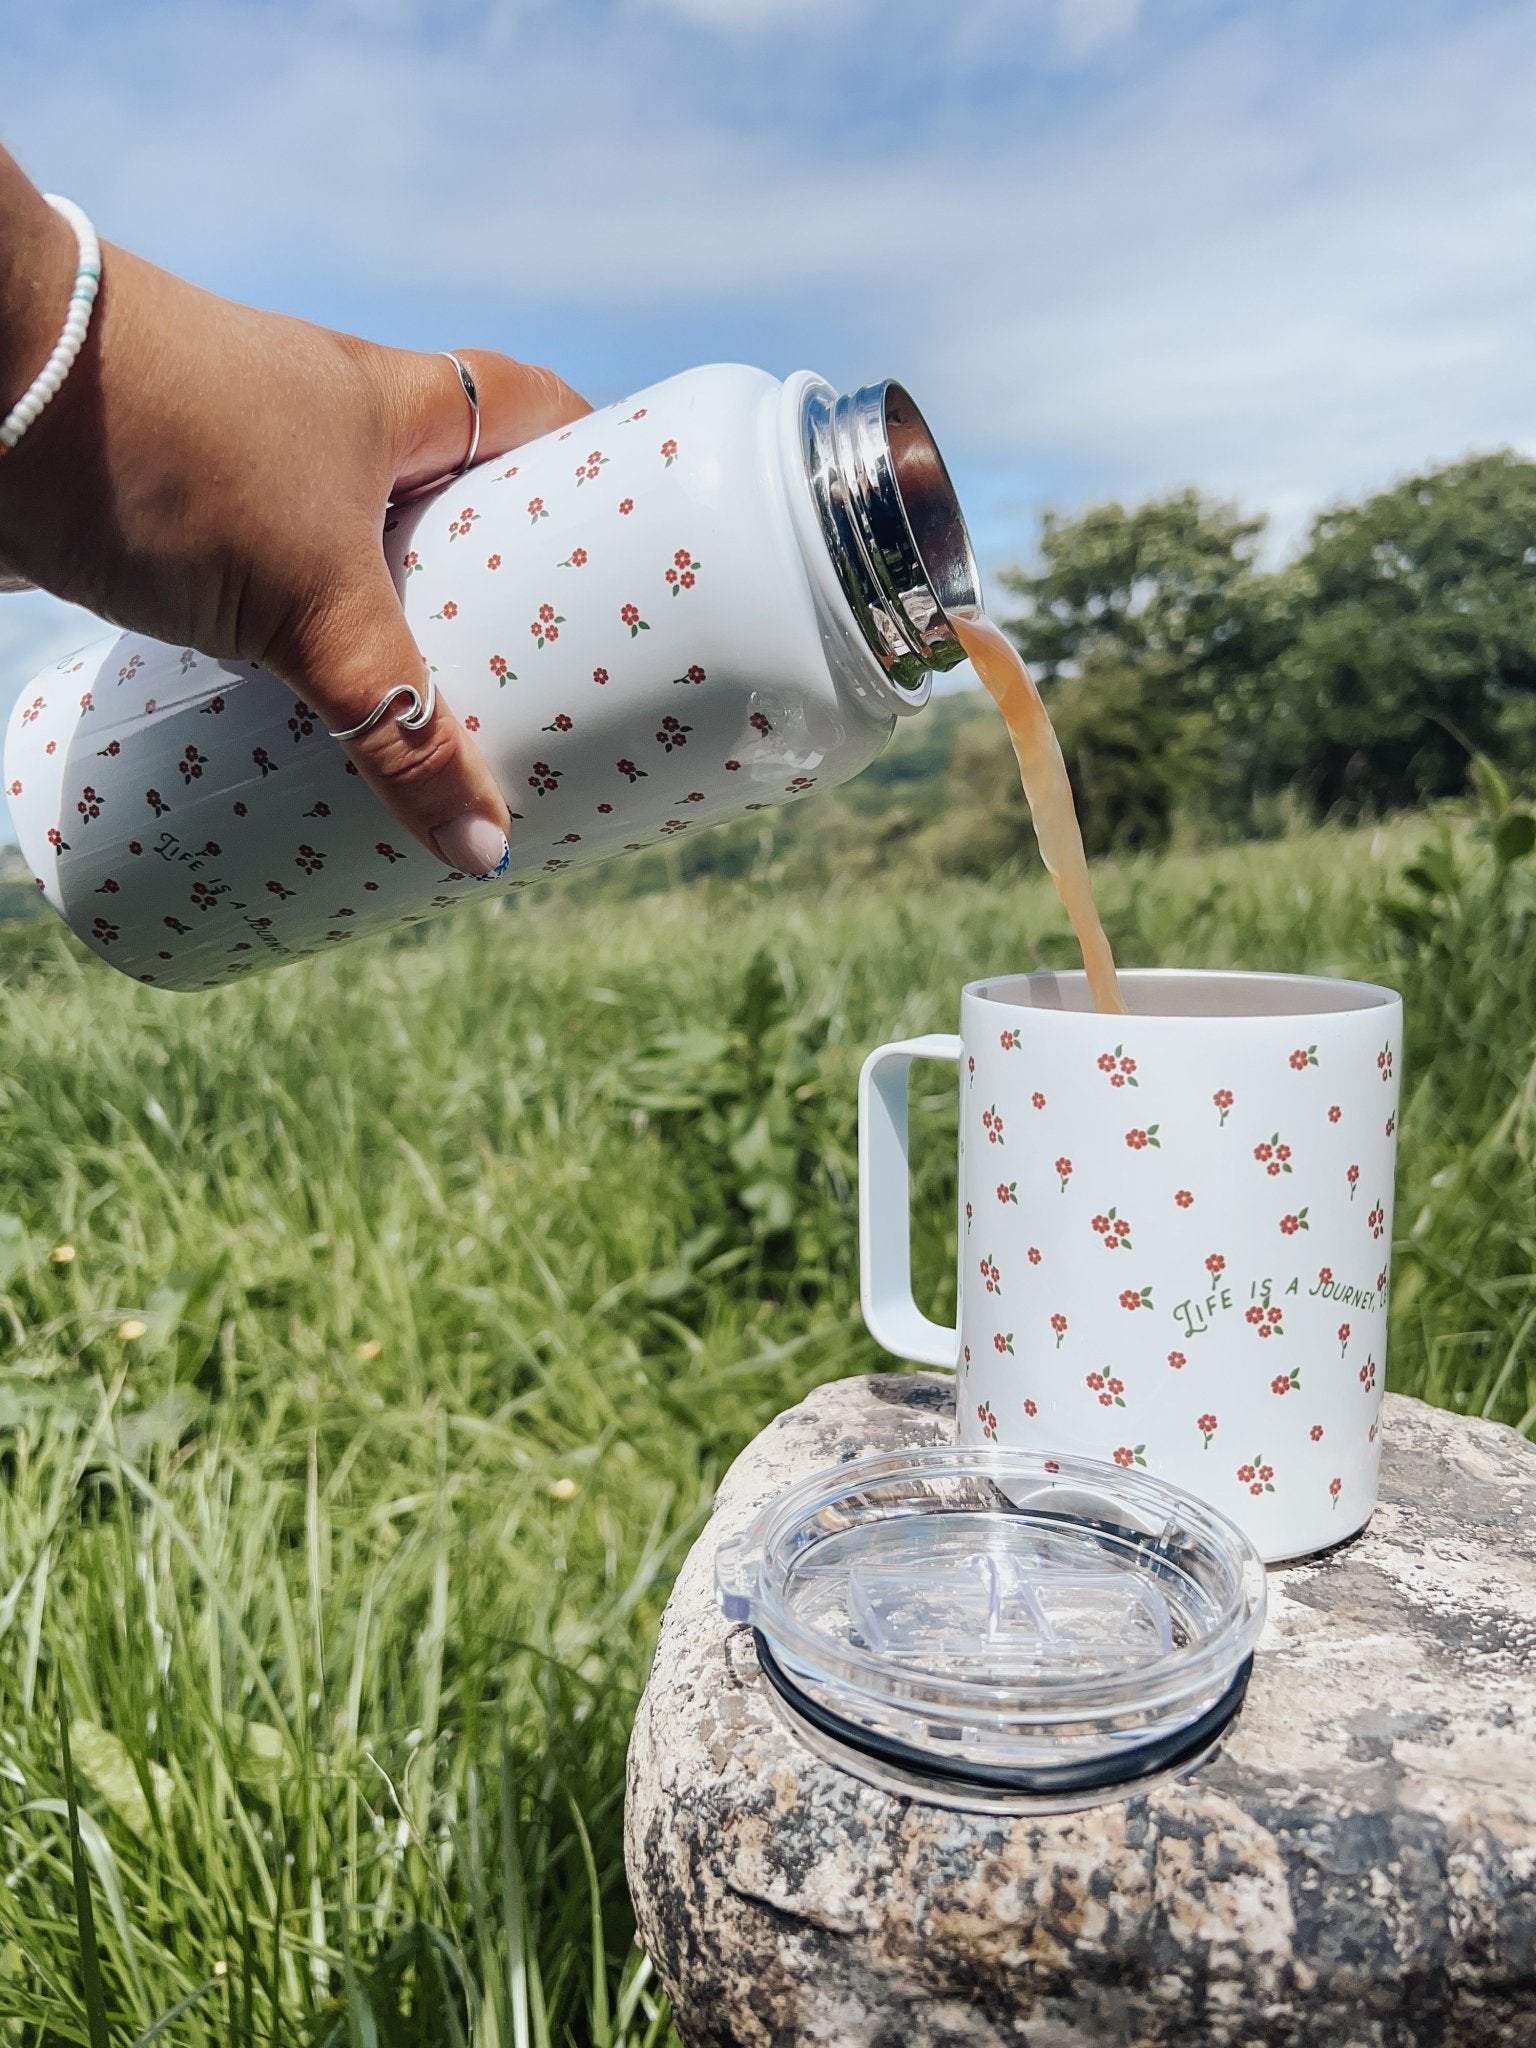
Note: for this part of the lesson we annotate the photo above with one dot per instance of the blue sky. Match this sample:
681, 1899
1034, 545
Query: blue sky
1283, 249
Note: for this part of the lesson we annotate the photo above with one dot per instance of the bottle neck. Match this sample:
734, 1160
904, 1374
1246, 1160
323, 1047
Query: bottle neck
892, 525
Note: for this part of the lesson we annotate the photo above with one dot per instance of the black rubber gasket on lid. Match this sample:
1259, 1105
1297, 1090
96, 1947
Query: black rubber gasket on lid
1145, 1760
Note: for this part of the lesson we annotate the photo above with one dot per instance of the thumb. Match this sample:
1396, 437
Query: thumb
342, 657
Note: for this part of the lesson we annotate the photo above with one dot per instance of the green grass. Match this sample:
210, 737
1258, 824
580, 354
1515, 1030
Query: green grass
466, 1263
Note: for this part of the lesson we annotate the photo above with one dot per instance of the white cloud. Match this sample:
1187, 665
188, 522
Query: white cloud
1112, 245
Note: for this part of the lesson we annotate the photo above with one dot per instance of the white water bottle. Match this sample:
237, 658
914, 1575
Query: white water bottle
713, 597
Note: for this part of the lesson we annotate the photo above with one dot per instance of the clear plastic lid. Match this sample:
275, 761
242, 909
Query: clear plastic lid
996, 1627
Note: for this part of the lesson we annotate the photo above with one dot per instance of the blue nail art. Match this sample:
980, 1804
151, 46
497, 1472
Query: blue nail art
495, 874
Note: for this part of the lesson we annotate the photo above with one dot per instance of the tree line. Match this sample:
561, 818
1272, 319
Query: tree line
1191, 685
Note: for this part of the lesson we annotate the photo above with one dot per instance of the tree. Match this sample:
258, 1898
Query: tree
1145, 629
1413, 640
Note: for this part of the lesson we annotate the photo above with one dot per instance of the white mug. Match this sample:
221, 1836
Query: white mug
1174, 1235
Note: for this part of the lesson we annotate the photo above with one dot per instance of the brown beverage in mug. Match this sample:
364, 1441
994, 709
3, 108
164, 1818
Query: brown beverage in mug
1046, 790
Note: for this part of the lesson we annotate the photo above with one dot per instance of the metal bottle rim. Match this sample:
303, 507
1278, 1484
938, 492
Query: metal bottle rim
892, 525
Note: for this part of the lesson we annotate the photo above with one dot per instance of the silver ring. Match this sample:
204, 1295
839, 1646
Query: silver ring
468, 386
420, 712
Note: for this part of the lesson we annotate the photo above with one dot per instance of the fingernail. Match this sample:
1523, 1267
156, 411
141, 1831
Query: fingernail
475, 845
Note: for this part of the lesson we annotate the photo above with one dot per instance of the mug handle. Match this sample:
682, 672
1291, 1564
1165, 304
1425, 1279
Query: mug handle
891, 1316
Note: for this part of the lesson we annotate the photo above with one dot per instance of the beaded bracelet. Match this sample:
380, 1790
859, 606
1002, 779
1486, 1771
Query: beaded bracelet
58, 366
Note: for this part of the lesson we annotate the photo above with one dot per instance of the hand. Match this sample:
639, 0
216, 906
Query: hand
217, 477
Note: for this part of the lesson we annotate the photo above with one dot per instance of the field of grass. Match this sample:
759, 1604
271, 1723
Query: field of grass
372, 1337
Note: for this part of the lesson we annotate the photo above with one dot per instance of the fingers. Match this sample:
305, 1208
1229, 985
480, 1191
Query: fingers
345, 654
518, 402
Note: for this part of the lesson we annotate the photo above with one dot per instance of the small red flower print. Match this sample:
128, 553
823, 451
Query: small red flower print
192, 763
969, 1213
1334, 1113
630, 615
626, 505
471, 723
669, 450
157, 802
1063, 1171
1257, 1477
694, 675
990, 1274
544, 779
108, 887
1353, 1177
1285, 1382
1325, 1276
113, 748
576, 559
987, 1420
500, 670
760, 722
1377, 1220
1005, 1191
1130, 1454
1139, 1140
1371, 1434
134, 846
1303, 1057
1335, 1487
1030, 1409
1136, 1297
1291, 1224
493, 561
1034, 1255
546, 627
1316, 1432
1384, 1062
586, 471
1037, 1100
1381, 1281
1184, 1198
104, 931
1343, 1338
1114, 1229
1051, 1465
1059, 1325
1263, 1152
309, 860
1207, 1426
1390, 1127
1367, 1375
277, 889
386, 852
605, 810
536, 511
684, 574
1121, 1071
673, 733
213, 708
449, 611
992, 1124
1094, 1381
1223, 1101
1177, 1360
89, 805
465, 521
561, 722
1009, 1041
1254, 1314
203, 898
1002, 1341
1215, 1264
630, 771
799, 785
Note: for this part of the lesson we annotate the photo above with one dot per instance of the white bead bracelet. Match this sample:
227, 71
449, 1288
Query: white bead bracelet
58, 366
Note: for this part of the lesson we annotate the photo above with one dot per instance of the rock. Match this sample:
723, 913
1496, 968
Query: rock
1354, 1868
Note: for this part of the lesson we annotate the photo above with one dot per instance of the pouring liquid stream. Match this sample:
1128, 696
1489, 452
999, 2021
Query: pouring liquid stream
1047, 791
